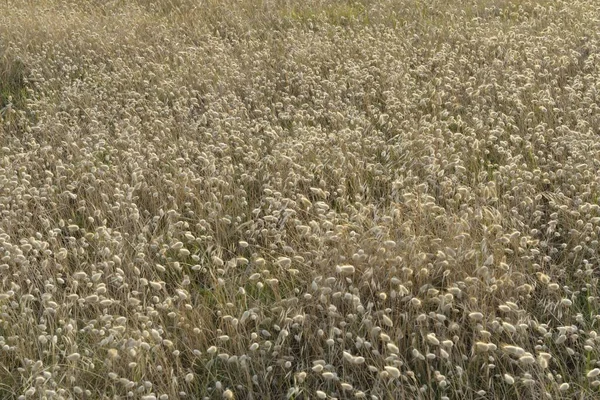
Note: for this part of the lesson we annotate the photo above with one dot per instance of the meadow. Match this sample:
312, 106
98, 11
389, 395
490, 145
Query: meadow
286, 199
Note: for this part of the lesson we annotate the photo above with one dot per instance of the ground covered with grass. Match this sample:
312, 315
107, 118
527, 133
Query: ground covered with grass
323, 199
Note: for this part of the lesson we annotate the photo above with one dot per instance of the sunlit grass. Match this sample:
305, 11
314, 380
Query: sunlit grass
285, 199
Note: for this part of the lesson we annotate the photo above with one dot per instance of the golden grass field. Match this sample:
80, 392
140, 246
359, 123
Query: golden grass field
286, 199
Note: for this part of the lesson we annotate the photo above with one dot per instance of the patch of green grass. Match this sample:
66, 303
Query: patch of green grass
12, 80
583, 305
7, 383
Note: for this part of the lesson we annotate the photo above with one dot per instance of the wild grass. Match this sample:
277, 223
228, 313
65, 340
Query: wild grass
12, 81
283, 199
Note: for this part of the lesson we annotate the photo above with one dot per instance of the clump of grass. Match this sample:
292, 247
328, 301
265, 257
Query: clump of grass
330, 199
13, 73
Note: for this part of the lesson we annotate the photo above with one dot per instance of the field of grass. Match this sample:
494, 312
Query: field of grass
286, 199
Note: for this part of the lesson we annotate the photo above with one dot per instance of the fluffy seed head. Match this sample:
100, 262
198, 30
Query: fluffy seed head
345, 269
392, 371
593, 373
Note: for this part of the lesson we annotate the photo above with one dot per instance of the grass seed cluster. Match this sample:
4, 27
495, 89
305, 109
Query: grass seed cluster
323, 199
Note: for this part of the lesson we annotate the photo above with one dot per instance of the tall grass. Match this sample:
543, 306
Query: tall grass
285, 199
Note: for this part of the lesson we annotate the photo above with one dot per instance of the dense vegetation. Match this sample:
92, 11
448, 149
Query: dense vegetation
299, 199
